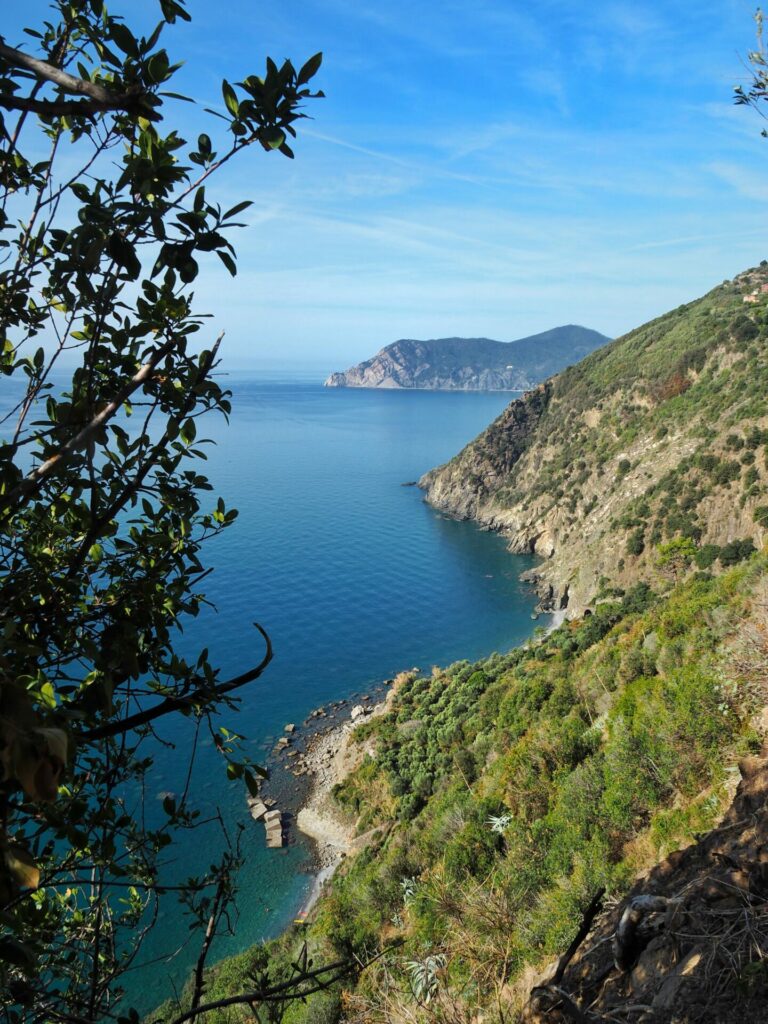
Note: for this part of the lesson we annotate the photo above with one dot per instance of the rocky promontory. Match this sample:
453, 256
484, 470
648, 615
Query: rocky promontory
471, 364
658, 437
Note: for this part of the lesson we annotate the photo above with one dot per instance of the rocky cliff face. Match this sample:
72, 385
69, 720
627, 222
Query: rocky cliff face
471, 364
659, 436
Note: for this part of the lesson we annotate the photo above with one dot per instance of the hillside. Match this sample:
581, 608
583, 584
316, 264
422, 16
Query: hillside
658, 437
471, 364
508, 793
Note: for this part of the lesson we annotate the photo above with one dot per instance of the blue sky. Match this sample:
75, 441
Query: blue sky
487, 168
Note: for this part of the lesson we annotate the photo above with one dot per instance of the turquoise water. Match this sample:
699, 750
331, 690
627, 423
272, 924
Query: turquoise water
354, 577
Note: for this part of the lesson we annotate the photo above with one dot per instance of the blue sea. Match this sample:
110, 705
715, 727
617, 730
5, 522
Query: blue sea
354, 577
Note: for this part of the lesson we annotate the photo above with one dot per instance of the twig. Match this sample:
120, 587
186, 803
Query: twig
210, 931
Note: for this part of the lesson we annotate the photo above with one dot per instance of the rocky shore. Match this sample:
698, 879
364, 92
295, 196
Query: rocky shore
323, 757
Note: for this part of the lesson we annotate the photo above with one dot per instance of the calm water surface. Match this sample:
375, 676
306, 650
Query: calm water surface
354, 577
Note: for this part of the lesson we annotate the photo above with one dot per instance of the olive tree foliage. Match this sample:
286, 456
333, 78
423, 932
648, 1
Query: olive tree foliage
755, 93
105, 223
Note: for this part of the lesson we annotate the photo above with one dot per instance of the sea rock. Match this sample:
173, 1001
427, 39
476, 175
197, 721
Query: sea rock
273, 822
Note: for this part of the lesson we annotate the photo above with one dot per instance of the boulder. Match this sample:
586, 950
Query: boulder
257, 808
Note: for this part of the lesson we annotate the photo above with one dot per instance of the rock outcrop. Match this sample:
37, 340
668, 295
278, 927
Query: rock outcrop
699, 941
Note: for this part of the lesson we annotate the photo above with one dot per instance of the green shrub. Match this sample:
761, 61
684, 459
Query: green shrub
636, 542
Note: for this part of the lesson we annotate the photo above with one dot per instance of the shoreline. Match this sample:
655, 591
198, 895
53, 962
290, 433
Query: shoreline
327, 756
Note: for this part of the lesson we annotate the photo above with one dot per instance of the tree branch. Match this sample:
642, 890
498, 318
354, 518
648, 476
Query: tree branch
201, 695
50, 73
282, 992
99, 99
210, 931
586, 923
34, 480
132, 487
69, 108
342, 967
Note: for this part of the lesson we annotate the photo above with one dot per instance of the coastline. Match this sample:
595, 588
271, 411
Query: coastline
328, 757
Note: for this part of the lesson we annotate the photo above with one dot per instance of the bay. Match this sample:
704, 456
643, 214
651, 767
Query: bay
354, 577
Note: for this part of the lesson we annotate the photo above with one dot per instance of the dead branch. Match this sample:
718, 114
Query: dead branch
586, 923
627, 942
210, 931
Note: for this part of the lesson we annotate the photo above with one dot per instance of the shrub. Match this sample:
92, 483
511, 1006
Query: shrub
736, 551
636, 542
707, 555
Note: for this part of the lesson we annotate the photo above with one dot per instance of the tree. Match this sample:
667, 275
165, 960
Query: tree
675, 556
105, 222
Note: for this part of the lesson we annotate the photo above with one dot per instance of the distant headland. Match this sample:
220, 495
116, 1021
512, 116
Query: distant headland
472, 364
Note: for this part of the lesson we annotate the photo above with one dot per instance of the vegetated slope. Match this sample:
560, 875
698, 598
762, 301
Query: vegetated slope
519, 786
472, 364
658, 436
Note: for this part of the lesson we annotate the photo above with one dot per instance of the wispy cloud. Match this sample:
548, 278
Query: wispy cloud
742, 180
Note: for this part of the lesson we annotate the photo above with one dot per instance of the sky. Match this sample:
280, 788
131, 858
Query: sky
478, 167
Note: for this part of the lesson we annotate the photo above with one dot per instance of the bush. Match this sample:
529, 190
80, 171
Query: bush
736, 551
707, 555
636, 542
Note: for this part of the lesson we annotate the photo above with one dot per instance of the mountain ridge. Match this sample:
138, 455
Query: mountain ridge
471, 364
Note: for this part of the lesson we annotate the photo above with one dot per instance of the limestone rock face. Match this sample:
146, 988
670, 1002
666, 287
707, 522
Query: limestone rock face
690, 957
471, 364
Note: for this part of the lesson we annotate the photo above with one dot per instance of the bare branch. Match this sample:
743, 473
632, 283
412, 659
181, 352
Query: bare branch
100, 99
49, 72
285, 990
70, 108
210, 931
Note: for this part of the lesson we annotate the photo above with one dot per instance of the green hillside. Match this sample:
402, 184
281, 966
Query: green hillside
659, 435
474, 364
518, 786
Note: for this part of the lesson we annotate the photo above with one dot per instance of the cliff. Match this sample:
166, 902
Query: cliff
576, 830
658, 437
471, 364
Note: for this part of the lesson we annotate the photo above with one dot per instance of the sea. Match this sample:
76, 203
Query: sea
353, 576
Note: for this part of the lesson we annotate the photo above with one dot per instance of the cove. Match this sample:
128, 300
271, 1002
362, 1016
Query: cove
354, 578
